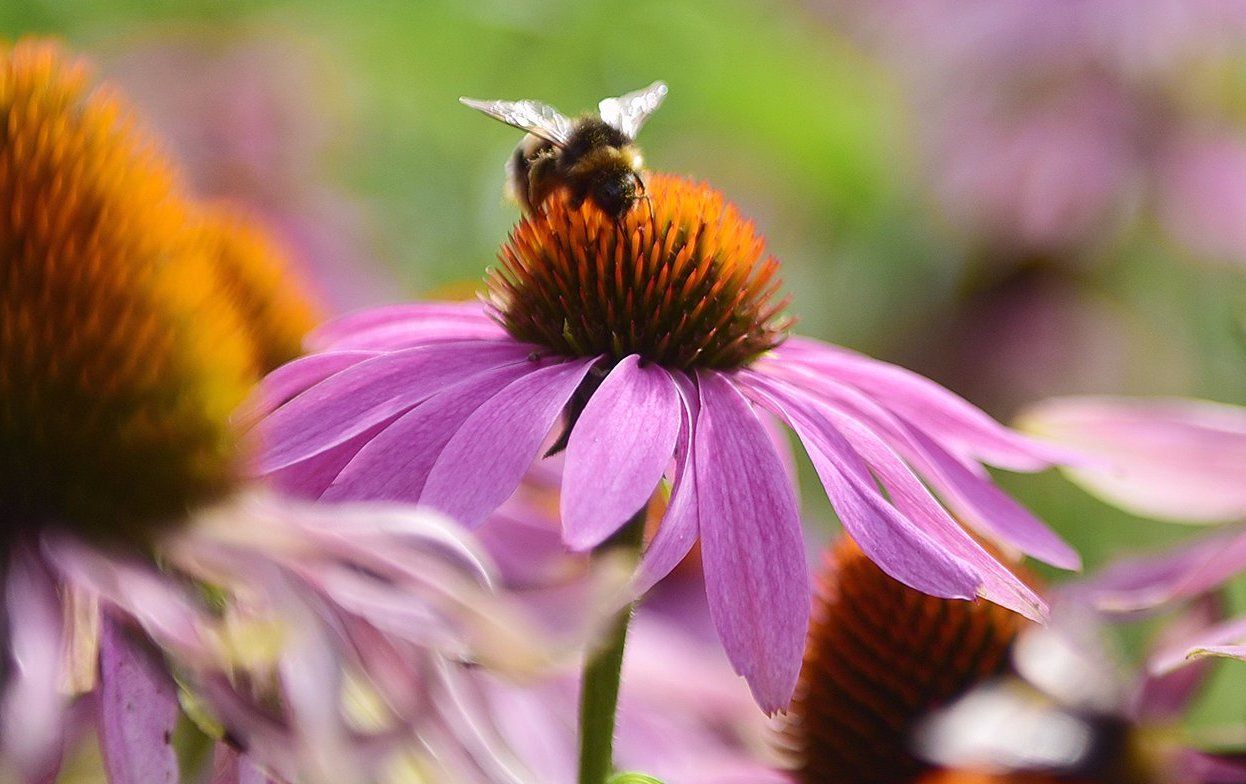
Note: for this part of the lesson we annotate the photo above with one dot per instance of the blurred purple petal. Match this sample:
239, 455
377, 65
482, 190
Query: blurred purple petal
1174, 459
1180, 572
754, 554
138, 712
31, 706
618, 451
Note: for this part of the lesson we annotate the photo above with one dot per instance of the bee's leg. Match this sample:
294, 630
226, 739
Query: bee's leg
542, 179
644, 196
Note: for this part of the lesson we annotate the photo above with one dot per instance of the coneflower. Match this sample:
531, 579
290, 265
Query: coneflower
881, 657
662, 341
133, 322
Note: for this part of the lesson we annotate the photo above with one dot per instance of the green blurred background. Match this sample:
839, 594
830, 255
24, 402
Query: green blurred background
339, 123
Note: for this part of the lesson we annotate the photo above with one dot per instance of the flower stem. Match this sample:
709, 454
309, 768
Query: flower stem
599, 691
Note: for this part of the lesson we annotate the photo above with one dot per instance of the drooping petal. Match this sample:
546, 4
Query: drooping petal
1173, 459
1178, 573
970, 494
138, 710
756, 576
155, 602
618, 451
928, 406
913, 500
370, 392
31, 707
1226, 640
401, 326
395, 463
485, 460
680, 526
890, 539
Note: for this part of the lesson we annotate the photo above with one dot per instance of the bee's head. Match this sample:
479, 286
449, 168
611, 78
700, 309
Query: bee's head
614, 188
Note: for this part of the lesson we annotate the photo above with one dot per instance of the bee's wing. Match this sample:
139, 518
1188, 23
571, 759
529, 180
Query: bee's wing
628, 112
534, 117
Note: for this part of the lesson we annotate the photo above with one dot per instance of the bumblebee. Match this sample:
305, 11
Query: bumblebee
593, 158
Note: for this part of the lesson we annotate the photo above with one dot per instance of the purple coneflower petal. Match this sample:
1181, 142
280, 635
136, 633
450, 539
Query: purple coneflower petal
138, 709
912, 498
680, 526
1174, 459
401, 326
370, 392
618, 451
309, 478
1227, 640
485, 460
756, 577
925, 404
287, 381
970, 494
32, 708
991, 510
890, 539
395, 463
1179, 573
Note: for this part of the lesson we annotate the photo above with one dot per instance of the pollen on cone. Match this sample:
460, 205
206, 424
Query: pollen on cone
123, 347
681, 280
880, 657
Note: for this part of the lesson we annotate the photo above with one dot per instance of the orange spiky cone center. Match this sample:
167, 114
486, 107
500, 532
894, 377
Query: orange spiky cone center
680, 280
132, 321
880, 657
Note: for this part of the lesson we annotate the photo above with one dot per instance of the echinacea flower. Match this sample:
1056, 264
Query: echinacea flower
137, 559
903, 688
880, 658
660, 341
1177, 460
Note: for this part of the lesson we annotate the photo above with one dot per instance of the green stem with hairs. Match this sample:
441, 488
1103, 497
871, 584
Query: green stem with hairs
599, 689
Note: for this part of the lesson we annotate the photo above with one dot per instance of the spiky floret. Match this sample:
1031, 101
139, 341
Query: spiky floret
122, 351
880, 657
680, 280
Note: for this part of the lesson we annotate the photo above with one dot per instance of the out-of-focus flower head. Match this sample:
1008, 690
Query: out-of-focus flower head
1049, 128
133, 322
656, 337
902, 688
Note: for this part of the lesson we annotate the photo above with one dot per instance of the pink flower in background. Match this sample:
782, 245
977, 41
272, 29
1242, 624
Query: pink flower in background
254, 119
1047, 128
450, 404
1168, 458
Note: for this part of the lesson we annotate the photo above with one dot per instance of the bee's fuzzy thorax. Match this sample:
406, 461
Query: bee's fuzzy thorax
680, 280
132, 320
880, 657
